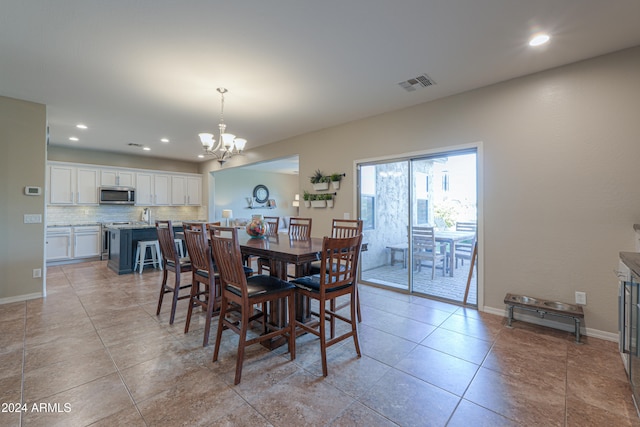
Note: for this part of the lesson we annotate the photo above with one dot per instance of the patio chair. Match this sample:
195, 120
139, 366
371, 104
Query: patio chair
464, 250
426, 249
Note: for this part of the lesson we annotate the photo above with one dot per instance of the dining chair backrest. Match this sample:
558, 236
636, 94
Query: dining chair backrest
346, 227
339, 258
198, 248
272, 225
466, 226
424, 238
226, 252
299, 228
192, 225
166, 239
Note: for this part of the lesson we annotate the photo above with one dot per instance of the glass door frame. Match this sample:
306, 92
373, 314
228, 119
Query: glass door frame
442, 151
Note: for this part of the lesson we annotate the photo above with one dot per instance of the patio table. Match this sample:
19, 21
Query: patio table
448, 237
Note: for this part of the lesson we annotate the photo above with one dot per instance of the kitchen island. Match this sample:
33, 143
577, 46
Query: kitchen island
123, 241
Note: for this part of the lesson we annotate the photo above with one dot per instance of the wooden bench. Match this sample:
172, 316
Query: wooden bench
402, 248
544, 307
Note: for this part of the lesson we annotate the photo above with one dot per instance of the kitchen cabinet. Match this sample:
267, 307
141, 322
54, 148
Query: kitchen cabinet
186, 190
68, 243
117, 178
152, 189
70, 185
86, 241
58, 243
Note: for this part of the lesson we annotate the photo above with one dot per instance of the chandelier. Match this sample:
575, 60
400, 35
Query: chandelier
227, 145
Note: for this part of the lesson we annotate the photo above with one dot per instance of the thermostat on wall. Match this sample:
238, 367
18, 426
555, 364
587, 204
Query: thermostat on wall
32, 191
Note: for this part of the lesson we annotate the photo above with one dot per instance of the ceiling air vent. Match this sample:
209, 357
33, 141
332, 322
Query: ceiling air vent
133, 144
421, 81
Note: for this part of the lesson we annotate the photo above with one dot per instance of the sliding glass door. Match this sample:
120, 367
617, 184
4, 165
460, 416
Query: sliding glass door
420, 217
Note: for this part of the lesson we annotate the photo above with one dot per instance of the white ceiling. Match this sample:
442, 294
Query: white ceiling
137, 71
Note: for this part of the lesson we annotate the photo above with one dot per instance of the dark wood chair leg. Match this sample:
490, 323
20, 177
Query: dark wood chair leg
162, 291
176, 292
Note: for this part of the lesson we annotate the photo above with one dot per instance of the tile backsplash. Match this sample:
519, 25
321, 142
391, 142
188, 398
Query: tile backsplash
75, 215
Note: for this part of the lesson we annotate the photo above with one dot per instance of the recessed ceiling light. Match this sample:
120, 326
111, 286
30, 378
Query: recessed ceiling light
147, 149
201, 156
73, 138
164, 140
81, 126
539, 39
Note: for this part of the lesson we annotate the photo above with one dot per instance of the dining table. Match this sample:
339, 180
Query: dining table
450, 238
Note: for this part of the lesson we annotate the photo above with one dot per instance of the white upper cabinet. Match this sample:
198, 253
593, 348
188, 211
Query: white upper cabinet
186, 190
162, 190
75, 184
70, 185
152, 189
117, 178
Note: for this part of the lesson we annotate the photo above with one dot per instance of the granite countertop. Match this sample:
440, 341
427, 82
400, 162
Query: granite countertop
632, 260
142, 225
83, 224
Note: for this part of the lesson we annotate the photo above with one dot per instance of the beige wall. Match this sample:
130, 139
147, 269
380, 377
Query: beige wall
23, 145
559, 174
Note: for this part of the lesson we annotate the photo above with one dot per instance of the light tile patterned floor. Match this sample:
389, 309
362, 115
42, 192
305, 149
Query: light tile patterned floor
94, 351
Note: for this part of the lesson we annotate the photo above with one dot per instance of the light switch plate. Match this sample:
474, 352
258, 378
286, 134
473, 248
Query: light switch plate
32, 218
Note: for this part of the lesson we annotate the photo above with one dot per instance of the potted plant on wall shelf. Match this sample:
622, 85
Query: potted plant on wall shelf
329, 198
319, 181
306, 196
335, 180
317, 201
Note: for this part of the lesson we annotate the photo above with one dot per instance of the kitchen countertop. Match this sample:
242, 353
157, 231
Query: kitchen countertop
632, 260
141, 225
84, 224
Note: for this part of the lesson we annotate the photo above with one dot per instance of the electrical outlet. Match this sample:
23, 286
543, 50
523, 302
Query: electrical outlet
37, 272
581, 298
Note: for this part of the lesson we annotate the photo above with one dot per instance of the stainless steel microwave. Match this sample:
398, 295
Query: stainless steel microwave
117, 196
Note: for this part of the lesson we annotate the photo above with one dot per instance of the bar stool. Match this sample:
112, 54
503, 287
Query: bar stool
141, 254
179, 246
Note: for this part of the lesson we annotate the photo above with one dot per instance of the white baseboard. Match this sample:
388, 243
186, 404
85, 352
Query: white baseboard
553, 322
20, 298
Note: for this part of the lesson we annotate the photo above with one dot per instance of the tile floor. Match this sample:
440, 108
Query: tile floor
93, 352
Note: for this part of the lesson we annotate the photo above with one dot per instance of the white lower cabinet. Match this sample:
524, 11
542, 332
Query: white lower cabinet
86, 241
58, 243
67, 243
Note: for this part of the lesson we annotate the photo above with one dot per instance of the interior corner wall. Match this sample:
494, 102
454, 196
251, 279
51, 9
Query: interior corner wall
23, 163
560, 183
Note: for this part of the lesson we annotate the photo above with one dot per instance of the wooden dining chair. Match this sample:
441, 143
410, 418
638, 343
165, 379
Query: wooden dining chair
337, 278
272, 231
239, 294
172, 263
299, 228
205, 288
